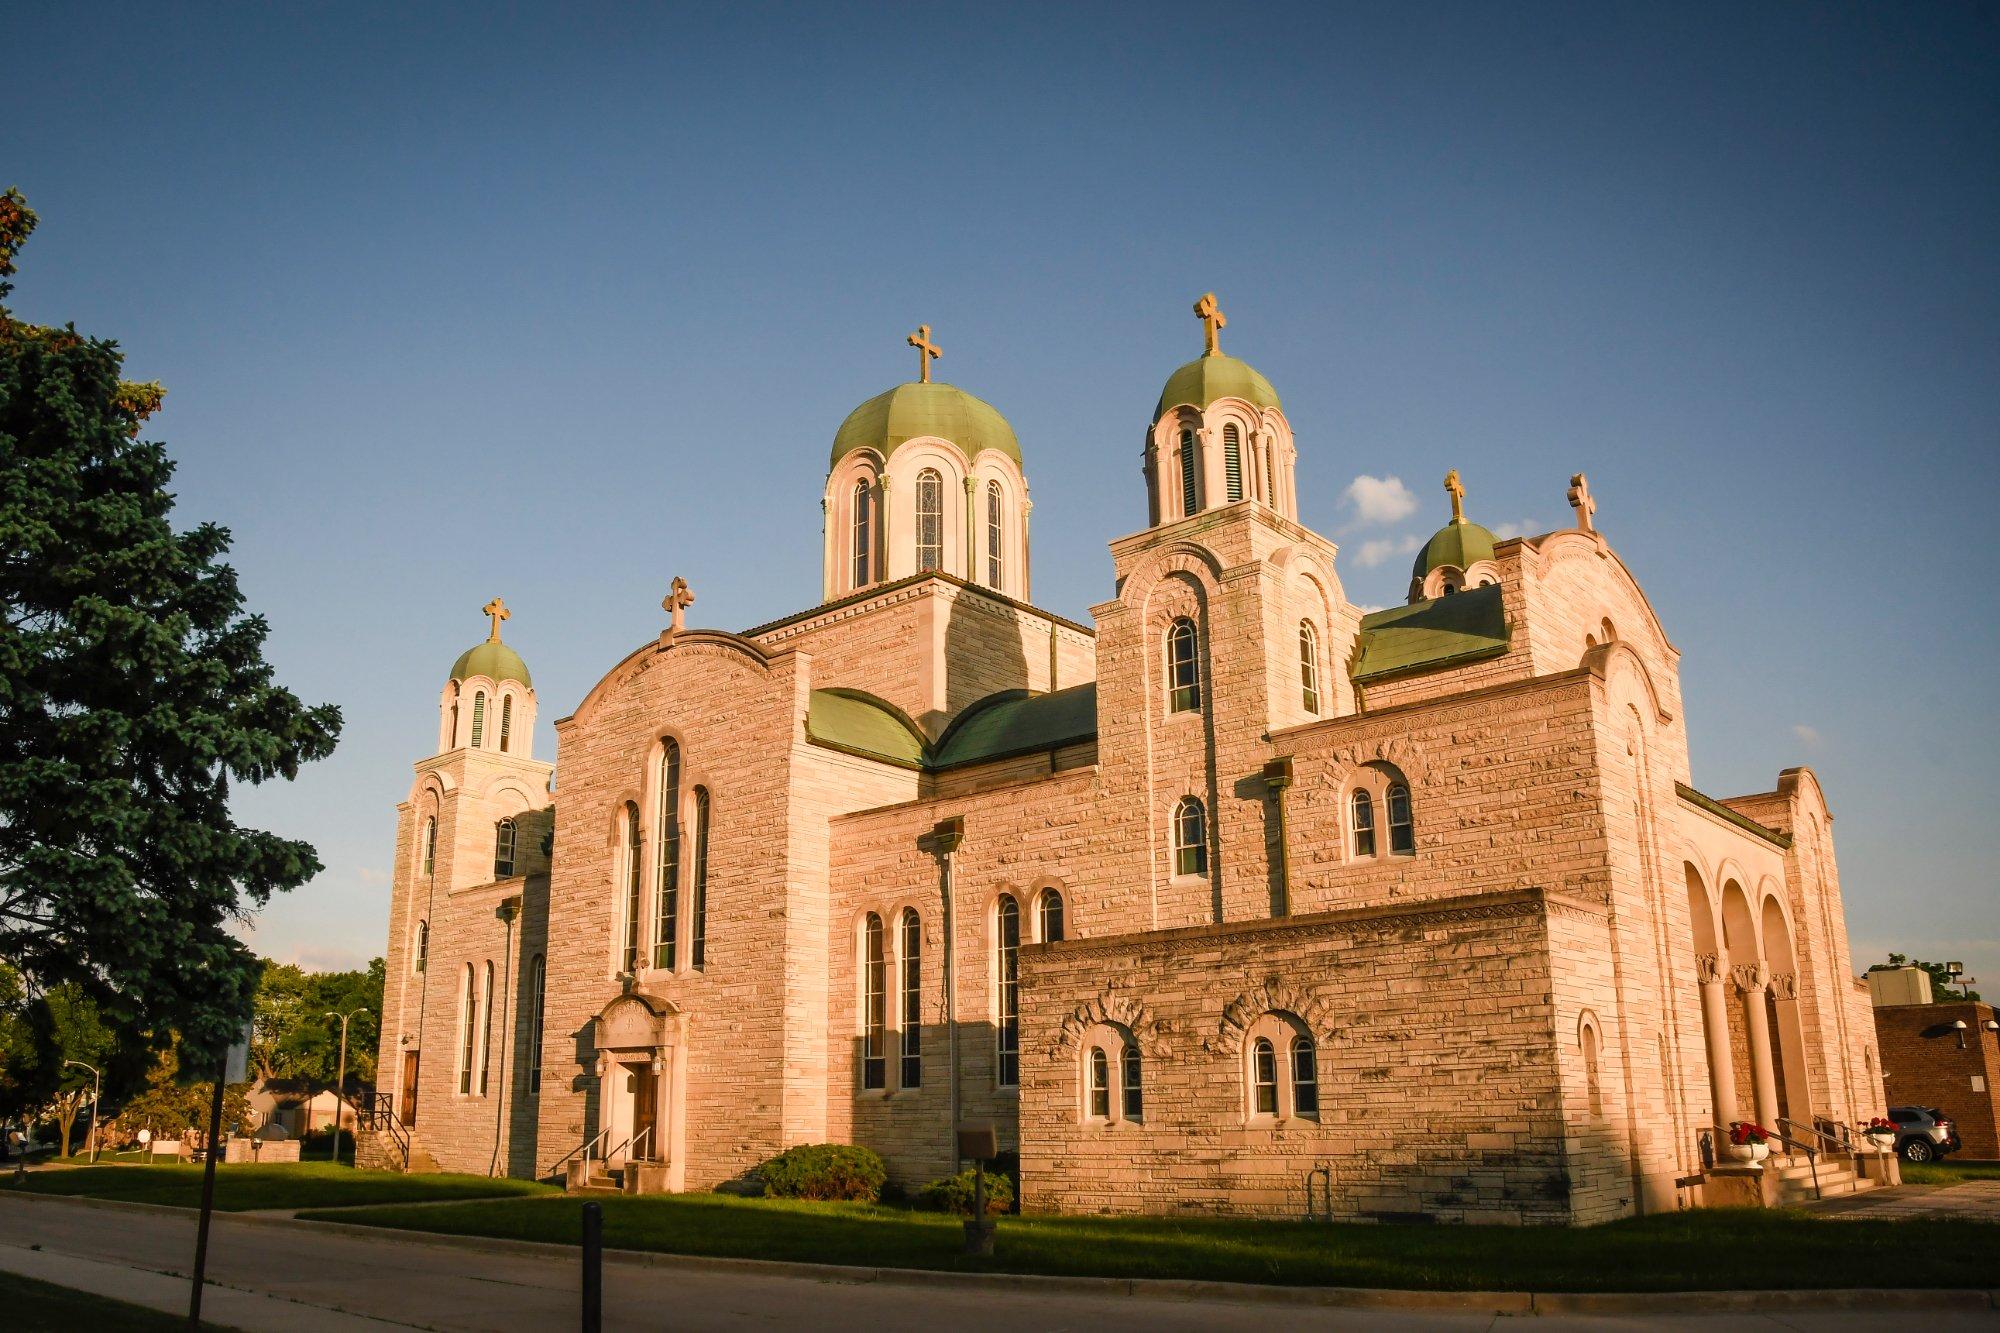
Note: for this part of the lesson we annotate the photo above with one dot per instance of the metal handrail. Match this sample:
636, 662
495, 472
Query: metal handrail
588, 1144
1812, 1156
1815, 1131
377, 1110
637, 1140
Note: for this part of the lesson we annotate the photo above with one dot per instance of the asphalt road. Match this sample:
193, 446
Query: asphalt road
297, 1277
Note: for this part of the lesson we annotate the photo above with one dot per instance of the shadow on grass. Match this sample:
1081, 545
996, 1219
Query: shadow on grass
243, 1186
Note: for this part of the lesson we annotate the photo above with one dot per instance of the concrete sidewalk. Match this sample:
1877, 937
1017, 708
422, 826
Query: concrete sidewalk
303, 1275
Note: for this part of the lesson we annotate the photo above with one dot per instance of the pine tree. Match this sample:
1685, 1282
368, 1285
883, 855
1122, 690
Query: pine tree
133, 691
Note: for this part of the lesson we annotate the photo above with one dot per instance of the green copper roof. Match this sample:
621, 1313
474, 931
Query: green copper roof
1425, 636
1202, 381
1453, 544
1017, 722
494, 660
860, 724
910, 410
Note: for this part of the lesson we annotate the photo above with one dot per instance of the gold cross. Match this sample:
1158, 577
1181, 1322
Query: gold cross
1580, 501
498, 610
1212, 322
1456, 489
926, 351
678, 600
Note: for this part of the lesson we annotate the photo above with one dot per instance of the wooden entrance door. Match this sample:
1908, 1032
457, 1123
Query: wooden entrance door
409, 1112
645, 1113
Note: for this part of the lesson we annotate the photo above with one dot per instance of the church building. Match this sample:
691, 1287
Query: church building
1237, 899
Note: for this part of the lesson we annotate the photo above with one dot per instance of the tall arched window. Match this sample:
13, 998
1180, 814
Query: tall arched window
667, 874
1263, 1077
1305, 1076
874, 1004
911, 1075
1049, 907
1232, 460
1135, 1097
995, 537
503, 849
478, 718
1100, 1084
1309, 666
430, 845
1402, 832
698, 909
506, 721
423, 949
486, 1028
1190, 838
930, 520
1593, 1086
864, 531
1364, 824
1183, 667
1007, 949
1187, 456
468, 1024
452, 741
538, 994
634, 882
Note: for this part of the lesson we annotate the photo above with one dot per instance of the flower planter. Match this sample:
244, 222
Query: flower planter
1746, 1152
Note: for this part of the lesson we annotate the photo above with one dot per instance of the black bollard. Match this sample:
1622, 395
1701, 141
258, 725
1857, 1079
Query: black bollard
593, 1268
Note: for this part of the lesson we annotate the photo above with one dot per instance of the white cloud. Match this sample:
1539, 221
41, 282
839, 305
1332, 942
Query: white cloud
1373, 553
1808, 736
370, 875
1526, 527
1379, 499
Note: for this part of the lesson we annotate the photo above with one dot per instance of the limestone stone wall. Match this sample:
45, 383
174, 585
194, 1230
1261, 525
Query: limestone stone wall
1439, 1086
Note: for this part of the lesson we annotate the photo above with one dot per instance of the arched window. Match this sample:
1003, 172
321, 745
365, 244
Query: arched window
864, 531
930, 520
1135, 1097
538, 994
1007, 957
1232, 460
1183, 667
667, 873
634, 880
1364, 824
911, 1075
1305, 1076
698, 909
451, 741
1593, 1086
874, 1004
468, 1024
1309, 666
503, 849
1188, 492
1050, 909
1402, 833
478, 718
486, 1028
1263, 1077
1100, 1084
423, 949
1190, 838
995, 537
506, 721
430, 845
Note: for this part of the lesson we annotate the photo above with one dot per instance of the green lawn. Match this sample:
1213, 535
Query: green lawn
1719, 1249
33, 1306
1949, 1172
243, 1186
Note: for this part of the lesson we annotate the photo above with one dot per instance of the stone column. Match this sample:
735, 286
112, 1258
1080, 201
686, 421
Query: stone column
1751, 980
1792, 1047
1715, 1027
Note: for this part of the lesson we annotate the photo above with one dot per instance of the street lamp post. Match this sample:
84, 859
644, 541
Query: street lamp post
96, 1087
340, 1080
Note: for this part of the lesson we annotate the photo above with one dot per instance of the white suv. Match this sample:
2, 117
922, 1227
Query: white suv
1923, 1133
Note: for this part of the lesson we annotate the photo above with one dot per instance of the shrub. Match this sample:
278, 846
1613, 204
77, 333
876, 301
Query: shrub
824, 1171
954, 1194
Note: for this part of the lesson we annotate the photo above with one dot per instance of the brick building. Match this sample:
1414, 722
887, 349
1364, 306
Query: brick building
1945, 1055
1237, 893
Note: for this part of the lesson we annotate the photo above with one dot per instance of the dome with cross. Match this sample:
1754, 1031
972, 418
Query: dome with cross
1214, 375
915, 411
492, 659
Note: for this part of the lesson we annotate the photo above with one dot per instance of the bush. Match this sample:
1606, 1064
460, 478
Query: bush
825, 1171
954, 1194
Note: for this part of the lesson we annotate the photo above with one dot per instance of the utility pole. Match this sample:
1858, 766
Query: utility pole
96, 1087
340, 1079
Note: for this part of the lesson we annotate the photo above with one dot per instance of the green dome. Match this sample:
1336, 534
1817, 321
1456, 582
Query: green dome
494, 660
911, 410
1202, 381
1454, 544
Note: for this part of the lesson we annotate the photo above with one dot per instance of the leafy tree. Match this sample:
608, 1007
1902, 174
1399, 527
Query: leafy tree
73, 1029
1942, 990
170, 1107
295, 1038
133, 691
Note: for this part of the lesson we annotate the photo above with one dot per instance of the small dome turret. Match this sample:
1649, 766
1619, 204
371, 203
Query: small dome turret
1459, 555
492, 659
468, 717
1218, 435
912, 411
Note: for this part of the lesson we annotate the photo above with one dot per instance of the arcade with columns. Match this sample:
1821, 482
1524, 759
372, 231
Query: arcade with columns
1232, 898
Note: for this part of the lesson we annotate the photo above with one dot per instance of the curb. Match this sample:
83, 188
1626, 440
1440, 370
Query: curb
1169, 1289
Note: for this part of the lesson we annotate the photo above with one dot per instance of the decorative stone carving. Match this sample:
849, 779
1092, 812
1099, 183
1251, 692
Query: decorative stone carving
1785, 985
1112, 1008
1707, 968
1401, 752
1750, 977
632, 1022
1251, 1005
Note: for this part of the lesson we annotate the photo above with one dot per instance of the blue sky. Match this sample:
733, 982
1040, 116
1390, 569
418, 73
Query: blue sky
559, 304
